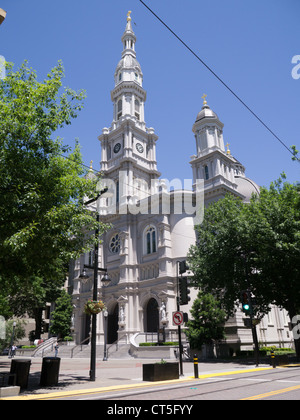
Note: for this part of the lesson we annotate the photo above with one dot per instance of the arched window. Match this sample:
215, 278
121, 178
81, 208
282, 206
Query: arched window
120, 109
150, 245
137, 109
206, 172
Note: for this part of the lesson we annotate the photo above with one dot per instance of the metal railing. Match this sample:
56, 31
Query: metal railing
79, 345
116, 343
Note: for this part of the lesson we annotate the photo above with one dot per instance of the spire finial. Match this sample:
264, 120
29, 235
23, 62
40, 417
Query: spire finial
204, 99
228, 151
91, 165
128, 16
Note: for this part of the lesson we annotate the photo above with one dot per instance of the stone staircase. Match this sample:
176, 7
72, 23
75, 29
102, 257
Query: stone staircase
84, 351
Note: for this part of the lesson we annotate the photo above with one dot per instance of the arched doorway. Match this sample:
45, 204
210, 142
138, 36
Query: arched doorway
113, 325
152, 316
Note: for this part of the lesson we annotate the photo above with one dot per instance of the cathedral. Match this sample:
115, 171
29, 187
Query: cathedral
152, 221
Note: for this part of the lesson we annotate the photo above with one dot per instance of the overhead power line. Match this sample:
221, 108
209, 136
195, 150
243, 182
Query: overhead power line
219, 78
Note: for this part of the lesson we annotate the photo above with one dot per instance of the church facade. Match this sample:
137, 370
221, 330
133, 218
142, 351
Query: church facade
153, 226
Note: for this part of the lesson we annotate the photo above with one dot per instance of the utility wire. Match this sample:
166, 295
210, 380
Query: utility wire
219, 78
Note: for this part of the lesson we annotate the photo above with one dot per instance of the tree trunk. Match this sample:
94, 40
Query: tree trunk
38, 312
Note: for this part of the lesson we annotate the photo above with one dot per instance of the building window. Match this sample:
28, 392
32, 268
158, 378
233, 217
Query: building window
114, 245
150, 240
137, 109
120, 77
206, 172
120, 109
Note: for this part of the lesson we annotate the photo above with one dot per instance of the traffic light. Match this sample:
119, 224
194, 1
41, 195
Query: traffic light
184, 291
183, 267
246, 302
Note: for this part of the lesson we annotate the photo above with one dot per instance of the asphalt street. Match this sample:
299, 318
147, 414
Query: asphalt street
272, 384
121, 381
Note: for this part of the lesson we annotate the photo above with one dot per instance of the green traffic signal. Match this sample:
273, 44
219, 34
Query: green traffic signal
246, 302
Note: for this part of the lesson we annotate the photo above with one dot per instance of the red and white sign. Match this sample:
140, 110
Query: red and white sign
177, 318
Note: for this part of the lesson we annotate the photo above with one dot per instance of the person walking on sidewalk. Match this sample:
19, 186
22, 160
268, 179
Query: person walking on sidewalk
56, 347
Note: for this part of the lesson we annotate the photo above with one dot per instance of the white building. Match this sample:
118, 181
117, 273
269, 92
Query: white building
150, 233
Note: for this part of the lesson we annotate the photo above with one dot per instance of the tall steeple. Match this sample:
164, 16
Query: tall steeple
128, 145
128, 95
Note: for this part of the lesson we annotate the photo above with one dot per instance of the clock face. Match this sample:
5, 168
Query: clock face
117, 148
139, 147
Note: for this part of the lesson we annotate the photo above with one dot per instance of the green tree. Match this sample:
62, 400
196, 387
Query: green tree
61, 317
207, 324
43, 220
252, 246
19, 333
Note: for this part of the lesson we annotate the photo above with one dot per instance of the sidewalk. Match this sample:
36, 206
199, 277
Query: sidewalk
74, 373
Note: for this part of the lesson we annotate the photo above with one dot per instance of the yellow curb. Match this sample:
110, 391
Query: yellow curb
62, 394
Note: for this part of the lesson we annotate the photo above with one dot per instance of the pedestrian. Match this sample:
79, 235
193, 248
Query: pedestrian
56, 347
13, 350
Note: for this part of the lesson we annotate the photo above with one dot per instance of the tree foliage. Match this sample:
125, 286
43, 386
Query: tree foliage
43, 220
252, 246
61, 317
208, 319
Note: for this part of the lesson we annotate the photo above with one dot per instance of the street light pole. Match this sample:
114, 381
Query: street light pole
105, 315
94, 316
95, 290
179, 327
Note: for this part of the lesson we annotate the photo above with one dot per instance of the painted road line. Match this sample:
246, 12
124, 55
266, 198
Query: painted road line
272, 393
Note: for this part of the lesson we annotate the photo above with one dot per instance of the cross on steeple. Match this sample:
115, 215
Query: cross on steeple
204, 99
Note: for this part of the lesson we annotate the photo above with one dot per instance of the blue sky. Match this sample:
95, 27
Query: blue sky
249, 44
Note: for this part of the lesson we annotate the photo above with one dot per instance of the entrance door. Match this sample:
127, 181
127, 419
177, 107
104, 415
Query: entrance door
152, 316
113, 325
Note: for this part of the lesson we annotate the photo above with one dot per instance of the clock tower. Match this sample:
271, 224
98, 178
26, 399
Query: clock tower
128, 146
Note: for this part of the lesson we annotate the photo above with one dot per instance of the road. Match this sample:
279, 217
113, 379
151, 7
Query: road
274, 384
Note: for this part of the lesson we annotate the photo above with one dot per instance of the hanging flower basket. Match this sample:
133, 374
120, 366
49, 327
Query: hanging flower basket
93, 307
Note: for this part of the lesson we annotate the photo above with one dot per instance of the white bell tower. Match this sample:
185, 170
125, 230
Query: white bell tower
128, 146
212, 163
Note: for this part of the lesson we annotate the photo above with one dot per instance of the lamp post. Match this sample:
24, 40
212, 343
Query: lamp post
105, 315
12, 340
105, 280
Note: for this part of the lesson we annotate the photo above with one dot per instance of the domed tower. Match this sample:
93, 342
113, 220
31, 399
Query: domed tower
212, 163
219, 170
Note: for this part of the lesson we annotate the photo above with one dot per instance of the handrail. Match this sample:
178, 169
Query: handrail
43, 346
116, 343
80, 344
